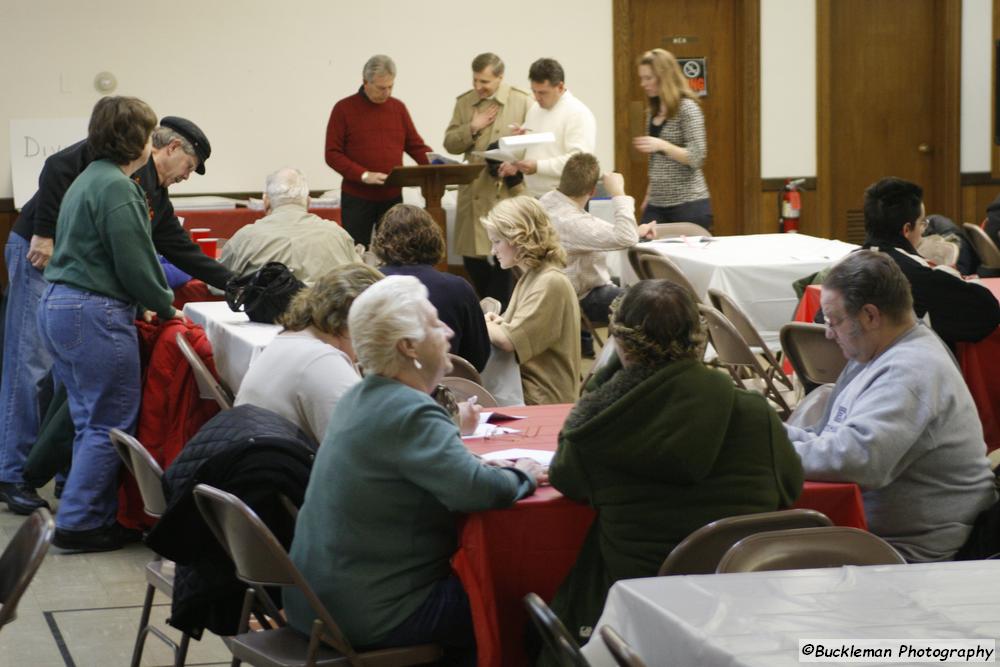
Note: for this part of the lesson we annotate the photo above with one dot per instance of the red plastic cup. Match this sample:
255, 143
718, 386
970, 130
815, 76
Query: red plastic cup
209, 246
200, 233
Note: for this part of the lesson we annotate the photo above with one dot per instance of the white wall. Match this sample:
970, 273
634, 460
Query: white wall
260, 77
977, 56
787, 88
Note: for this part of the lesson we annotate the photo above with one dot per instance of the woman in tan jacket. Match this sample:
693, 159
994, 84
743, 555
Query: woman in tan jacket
542, 323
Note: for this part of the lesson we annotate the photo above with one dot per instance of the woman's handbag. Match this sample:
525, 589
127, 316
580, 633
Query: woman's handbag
264, 294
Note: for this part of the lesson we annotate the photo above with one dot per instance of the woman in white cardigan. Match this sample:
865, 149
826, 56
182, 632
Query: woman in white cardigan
305, 370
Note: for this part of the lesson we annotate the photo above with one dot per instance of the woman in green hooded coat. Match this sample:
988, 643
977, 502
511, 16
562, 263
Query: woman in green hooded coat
660, 447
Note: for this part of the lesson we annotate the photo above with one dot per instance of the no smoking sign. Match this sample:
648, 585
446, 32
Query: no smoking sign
695, 72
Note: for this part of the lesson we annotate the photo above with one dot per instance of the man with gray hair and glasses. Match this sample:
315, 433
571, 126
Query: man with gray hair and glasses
365, 138
307, 244
900, 422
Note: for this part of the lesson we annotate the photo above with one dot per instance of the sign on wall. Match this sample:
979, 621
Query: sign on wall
696, 73
32, 140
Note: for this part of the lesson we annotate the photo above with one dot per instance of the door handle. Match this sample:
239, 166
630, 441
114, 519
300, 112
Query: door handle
924, 148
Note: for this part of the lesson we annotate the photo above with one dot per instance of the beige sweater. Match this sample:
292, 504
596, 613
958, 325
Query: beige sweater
543, 323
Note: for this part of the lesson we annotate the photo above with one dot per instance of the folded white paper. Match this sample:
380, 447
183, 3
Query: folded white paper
542, 456
515, 141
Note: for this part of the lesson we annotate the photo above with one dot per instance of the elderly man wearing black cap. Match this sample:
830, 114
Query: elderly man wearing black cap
179, 147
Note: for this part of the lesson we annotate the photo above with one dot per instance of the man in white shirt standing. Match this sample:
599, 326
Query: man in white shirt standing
555, 110
587, 238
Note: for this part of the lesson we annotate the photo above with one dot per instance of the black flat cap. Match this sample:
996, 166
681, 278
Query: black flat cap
193, 134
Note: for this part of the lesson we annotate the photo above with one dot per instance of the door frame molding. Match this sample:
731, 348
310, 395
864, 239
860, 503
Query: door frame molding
747, 148
947, 109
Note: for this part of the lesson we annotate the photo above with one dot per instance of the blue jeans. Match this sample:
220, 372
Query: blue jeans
597, 304
95, 350
25, 362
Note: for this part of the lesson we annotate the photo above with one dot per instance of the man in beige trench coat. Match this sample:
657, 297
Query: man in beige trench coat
491, 110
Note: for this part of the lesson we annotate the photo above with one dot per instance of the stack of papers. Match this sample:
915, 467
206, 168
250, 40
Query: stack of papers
487, 425
511, 147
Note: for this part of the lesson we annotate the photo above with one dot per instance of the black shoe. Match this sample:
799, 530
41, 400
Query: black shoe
105, 538
21, 498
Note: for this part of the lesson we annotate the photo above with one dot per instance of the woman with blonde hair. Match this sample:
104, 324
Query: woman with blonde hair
304, 371
542, 322
675, 143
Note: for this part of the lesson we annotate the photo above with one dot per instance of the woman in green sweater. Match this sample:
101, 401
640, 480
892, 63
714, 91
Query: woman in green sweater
102, 268
377, 529
662, 446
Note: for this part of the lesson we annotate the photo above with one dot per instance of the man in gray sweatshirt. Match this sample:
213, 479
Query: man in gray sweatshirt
900, 422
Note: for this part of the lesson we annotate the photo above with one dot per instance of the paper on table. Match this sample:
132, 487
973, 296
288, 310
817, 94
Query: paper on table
494, 417
437, 158
485, 430
689, 240
542, 456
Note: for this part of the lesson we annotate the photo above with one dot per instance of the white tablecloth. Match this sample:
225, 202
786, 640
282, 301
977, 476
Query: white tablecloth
756, 271
236, 341
757, 619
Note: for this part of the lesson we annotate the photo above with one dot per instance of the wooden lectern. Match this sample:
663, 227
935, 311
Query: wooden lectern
431, 178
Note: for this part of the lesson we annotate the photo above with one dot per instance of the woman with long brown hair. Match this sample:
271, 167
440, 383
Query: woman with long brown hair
675, 143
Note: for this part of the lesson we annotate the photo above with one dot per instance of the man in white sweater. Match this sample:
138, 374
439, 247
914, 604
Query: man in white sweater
555, 110
587, 239
900, 422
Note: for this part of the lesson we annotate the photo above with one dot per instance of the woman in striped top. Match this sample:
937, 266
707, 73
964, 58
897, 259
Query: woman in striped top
675, 143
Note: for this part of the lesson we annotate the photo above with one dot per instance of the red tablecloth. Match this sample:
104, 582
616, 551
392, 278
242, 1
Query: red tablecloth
225, 222
980, 364
505, 554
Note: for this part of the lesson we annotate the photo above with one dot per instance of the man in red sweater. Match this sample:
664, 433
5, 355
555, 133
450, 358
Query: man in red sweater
365, 139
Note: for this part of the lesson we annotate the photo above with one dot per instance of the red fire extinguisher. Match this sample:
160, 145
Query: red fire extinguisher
790, 205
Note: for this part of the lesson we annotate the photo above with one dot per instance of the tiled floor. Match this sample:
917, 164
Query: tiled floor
82, 610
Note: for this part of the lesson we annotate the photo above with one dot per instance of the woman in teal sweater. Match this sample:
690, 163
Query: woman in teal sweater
661, 447
377, 529
102, 268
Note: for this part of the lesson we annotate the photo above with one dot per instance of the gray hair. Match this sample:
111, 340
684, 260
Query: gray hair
378, 65
491, 60
162, 136
384, 314
287, 186
868, 276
